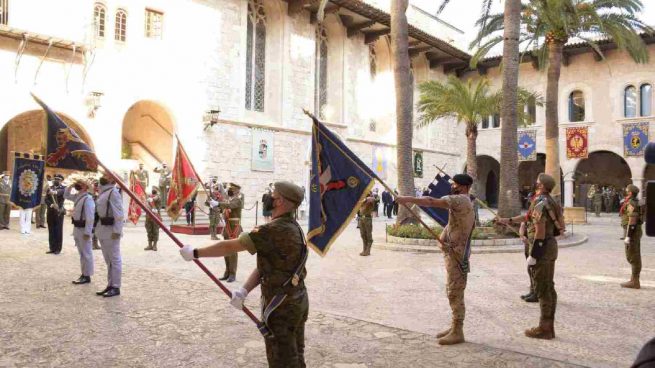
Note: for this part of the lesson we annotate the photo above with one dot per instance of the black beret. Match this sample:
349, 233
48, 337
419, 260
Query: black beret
463, 179
59, 176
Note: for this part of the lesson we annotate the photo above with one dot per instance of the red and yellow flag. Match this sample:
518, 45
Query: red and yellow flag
134, 211
184, 183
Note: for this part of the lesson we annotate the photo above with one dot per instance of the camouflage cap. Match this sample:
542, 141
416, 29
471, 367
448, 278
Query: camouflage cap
547, 181
290, 191
632, 189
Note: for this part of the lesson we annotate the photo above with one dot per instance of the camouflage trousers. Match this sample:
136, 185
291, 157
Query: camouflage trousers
455, 284
286, 349
232, 259
152, 229
633, 252
544, 273
214, 220
366, 232
526, 250
597, 208
40, 215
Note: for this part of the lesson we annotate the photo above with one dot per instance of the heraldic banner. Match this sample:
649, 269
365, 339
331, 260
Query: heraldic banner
635, 138
134, 211
183, 184
27, 182
439, 187
577, 142
527, 140
339, 182
262, 150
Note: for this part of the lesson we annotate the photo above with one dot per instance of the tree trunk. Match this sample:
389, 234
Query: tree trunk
472, 156
552, 115
509, 199
404, 103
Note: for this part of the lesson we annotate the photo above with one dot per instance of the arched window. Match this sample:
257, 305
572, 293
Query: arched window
531, 111
256, 56
485, 122
321, 67
372, 60
99, 12
630, 102
495, 121
646, 95
576, 106
121, 25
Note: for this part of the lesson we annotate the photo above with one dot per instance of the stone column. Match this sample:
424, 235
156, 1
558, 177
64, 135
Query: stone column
568, 192
638, 183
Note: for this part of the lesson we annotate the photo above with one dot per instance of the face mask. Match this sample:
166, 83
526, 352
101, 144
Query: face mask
103, 181
56, 182
454, 190
77, 187
270, 205
230, 192
154, 193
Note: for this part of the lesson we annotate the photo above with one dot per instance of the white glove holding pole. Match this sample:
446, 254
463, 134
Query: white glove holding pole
626, 241
238, 297
187, 252
532, 261
213, 203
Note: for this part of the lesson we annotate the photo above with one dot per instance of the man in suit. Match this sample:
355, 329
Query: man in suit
55, 214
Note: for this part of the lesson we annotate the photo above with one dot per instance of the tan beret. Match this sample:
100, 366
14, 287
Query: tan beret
290, 191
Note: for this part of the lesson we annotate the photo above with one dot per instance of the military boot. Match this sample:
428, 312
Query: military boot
531, 298
545, 330
456, 334
149, 247
444, 333
212, 232
632, 284
154, 246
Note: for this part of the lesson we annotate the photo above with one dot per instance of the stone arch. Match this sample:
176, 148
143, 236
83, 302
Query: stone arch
148, 130
488, 169
25, 132
336, 34
528, 172
604, 168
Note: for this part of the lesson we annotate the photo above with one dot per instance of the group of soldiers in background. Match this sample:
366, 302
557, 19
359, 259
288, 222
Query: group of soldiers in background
607, 198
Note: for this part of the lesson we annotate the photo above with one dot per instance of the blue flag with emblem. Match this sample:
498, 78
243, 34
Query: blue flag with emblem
339, 182
64, 147
527, 141
439, 187
635, 138
27, 180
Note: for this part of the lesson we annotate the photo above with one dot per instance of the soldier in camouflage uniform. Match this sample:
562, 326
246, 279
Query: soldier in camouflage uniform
281, 254
631, 220
164, 181
154, 201
597, 200
456, 236
215, 213
365, 223
142, 177
231, 208
547, 221
527, 237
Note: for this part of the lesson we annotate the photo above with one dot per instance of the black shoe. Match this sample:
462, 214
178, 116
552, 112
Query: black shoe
532, 298
82, 280
526, 295
225, 277
112, 292
104, 291
50, 252
57, 252
231, 279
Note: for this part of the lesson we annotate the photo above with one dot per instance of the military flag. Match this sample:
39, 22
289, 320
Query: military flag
64, 148
184, 183
577, 142
134, 211
527, 141
635, 138
27, 181
438, 188
339, 182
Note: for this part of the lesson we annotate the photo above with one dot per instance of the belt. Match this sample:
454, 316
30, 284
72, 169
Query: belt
234, 219
366, 216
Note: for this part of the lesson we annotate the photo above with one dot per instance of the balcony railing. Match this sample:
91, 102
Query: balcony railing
4, 11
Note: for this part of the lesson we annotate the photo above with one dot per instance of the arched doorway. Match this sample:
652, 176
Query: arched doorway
649, 174
603, 168
148, 130
26, 133
528, 173
488, 180
491, 189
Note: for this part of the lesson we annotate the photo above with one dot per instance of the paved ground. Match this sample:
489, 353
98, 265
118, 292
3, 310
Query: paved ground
378, 311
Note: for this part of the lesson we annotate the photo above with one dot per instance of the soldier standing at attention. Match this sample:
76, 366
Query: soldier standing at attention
365, 223
109, 231
142, 177
5, 204
83, 214
154, 202
631, 220
55, 214
164, 181
214, 191
456, 236
39, 212
281, 254
598, 200
232, 211
546, 218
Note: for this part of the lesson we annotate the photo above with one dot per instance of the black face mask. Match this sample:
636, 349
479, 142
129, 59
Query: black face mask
154, 193
230, 192
56, 182
103, 181
270, 205
77, 187
455, 190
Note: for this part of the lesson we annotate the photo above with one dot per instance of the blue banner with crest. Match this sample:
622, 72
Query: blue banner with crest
635, 138
527, 141
27, 180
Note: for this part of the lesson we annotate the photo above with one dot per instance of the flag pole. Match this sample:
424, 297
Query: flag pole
485, 206
443, 247
179, 143
175, 239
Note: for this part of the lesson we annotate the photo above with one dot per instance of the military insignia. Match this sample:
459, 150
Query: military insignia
527, 145
353, 182
28, 182
314, 188
577, 142
635, 138
295, 280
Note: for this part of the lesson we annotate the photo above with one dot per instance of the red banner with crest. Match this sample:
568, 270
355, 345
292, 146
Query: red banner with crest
577, 142
134, 211
184, 184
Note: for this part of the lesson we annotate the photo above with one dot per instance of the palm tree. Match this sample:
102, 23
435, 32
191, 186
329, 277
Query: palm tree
468, 103
404, 101
547, 27
509, 204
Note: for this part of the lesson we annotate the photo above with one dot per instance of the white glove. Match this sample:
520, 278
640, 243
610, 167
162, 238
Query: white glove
532, 261
626, 241
213, 203
150, 200
187, 252
238, 296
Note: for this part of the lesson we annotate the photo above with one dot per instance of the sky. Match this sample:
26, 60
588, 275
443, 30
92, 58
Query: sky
463, 13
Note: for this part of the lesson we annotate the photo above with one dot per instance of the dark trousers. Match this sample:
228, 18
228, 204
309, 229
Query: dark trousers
55, 230
388, 209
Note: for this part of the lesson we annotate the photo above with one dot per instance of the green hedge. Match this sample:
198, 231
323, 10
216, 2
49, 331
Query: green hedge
420, 232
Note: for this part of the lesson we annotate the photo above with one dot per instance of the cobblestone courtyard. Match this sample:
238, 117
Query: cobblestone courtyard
378, 311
